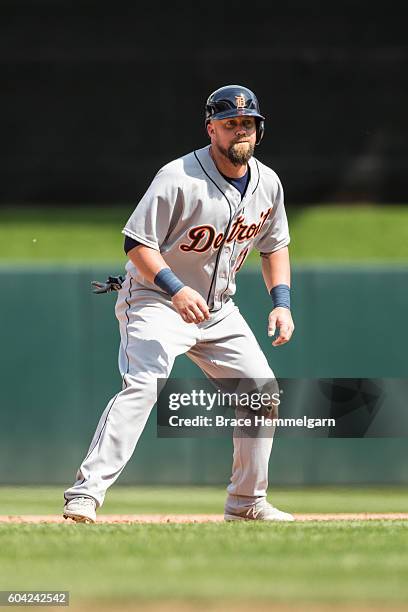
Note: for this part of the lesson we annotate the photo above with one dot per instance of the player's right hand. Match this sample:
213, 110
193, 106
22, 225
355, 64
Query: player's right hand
190, 305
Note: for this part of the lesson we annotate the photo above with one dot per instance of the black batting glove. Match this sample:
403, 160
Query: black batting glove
113, 283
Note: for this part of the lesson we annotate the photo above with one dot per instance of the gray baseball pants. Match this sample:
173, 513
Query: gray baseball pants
152, 335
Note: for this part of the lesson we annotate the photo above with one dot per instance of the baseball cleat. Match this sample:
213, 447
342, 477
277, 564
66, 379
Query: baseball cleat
81, 510
260, 511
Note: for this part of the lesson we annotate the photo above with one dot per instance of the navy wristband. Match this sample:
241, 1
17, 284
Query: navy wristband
280, 295
168, 281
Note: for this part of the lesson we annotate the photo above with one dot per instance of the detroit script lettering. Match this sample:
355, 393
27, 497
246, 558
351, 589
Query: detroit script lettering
204, 237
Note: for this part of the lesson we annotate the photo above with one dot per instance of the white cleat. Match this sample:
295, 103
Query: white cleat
81, 510
260, 511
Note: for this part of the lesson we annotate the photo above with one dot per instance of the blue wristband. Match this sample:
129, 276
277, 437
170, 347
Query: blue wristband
280, 296
168, 281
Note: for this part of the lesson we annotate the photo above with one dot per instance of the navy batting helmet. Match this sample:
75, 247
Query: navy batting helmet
234, 101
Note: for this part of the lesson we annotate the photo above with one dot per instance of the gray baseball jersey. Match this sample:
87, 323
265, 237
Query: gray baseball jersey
204, 231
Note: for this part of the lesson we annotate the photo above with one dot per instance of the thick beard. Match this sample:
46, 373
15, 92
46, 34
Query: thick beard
240, 155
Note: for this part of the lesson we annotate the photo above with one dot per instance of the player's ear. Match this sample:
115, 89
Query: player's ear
210, 129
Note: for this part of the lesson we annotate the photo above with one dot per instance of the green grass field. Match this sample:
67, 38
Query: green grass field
320, 234
208, 500
212, 566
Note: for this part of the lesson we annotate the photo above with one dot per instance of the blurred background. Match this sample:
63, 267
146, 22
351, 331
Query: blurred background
95, 97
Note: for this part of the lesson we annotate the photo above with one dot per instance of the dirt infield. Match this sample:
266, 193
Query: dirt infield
195, 518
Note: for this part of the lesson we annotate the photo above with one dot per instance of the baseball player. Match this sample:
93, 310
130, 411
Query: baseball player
186, 240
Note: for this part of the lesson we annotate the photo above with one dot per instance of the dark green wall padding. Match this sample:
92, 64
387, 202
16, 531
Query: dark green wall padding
58, 361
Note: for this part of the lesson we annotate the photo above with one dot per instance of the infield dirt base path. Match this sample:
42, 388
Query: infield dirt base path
195, 518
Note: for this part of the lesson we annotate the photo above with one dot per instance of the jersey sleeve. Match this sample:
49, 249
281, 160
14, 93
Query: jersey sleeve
154, 215
275, 233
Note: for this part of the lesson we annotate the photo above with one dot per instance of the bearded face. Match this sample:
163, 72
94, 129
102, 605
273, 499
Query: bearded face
234, 138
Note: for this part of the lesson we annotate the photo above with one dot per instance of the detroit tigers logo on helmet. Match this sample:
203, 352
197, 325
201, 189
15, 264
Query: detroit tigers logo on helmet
240, 101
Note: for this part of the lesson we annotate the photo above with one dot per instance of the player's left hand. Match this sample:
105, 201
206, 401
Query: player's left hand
280, 318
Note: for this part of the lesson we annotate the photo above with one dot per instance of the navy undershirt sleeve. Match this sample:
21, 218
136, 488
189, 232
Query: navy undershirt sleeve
130, 244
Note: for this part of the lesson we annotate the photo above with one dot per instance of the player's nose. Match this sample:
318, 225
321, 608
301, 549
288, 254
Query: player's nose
242, 127
240, 131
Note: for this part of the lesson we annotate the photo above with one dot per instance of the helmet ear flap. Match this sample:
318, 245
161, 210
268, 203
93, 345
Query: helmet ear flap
209, 111
260, 129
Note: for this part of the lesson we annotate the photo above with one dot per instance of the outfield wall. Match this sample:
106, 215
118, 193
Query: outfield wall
58, 359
